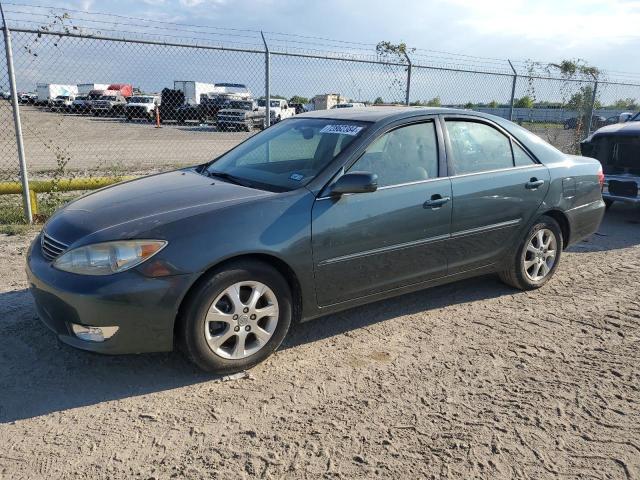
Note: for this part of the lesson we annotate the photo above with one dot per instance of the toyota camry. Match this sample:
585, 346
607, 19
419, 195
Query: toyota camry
316, 214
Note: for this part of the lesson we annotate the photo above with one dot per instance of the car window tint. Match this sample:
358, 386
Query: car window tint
406, 154
477, 147
520, 157
288, 146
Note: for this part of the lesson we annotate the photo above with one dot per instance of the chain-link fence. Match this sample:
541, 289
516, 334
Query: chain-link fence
95, 105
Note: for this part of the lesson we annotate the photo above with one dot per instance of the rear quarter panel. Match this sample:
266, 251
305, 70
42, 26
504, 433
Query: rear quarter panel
575, 190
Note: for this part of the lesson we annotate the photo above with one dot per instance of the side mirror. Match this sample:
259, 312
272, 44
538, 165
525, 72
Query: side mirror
355, 182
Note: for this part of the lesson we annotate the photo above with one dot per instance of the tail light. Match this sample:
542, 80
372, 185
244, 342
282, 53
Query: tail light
601, 178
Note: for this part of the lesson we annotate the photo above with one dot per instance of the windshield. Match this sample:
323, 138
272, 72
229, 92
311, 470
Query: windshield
62, 97
141, 100
289, 154
263, 103
635, 118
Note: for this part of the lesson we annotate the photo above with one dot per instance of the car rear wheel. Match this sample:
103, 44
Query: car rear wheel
537, 257
236, 317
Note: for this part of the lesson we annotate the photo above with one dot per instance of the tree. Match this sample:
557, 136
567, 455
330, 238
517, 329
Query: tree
378, 101
626, 104
469, 105
434, 102
417, 103
581, 100
493, 104
298, 99
524, 102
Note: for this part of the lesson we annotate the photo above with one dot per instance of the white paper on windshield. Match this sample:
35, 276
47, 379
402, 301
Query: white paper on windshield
343, 129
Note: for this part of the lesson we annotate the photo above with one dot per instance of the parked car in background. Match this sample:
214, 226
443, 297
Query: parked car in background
620, 118
298, 107
596, 122
109, 105
62, 103
81, 104
617, 148
319, 213
5, 95
211, 103
240, 114
349, 105
141, 106
29, 98
278, 109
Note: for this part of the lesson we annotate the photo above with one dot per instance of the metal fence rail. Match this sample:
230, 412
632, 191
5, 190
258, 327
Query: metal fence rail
73, 138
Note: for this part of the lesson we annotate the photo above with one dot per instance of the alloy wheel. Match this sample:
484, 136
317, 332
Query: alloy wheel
540, 255
241, 320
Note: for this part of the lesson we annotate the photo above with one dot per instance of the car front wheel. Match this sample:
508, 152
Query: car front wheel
236, 317
537, 257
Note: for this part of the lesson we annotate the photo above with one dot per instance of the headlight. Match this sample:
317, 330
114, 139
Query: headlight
109, 257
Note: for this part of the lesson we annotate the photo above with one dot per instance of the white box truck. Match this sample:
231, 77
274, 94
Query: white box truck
85, 88
49, 91
193, 90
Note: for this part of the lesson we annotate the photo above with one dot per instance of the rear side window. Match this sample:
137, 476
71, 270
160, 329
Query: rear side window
520, 157
404, 155
477, 147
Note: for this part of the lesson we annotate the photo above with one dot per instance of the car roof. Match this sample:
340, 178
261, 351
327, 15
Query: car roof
376, 114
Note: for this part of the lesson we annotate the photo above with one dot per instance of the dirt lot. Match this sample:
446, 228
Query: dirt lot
114, 146
469, 380
110, 145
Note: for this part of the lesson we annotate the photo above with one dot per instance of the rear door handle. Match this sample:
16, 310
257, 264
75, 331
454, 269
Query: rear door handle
534, 183
436, 201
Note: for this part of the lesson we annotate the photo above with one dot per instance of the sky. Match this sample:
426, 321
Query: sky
604, 32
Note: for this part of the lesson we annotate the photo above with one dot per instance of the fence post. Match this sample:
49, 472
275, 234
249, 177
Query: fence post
593, 105
513, 90
26, 199
267, 81
408, 91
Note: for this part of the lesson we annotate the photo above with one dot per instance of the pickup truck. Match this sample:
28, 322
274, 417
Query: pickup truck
617, 148
141, 106
110, 105
240, 114
81, 104
278, 109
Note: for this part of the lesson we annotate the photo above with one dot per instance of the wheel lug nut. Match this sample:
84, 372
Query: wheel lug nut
247, 328
252, 317
235, 317
245, 310
236, 329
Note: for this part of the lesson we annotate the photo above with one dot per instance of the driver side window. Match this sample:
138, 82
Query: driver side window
477, 147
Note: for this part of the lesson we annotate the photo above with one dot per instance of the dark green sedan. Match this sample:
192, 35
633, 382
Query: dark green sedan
319, 213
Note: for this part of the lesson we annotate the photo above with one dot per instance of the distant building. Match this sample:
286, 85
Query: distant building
327, 100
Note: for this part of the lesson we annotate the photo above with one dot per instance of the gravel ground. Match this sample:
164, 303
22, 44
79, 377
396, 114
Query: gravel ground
469, 380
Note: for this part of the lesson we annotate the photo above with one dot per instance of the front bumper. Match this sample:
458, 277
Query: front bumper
144, 309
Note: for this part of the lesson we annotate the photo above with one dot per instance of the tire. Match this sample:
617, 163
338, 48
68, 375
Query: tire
221, 356
247, 128
518, 275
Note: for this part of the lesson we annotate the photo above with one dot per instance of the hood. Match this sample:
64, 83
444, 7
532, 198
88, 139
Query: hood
627, 128
129, 209
143, 105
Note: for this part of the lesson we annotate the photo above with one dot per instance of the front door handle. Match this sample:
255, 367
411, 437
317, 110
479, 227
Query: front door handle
534, 183
436, 201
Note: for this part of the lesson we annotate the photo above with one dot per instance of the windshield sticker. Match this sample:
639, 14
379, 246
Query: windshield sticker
296, 176
343, 129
